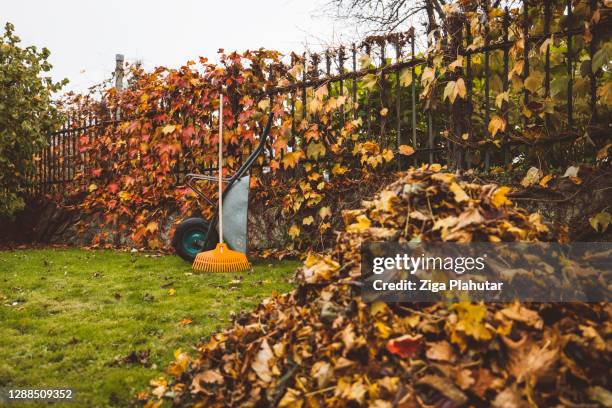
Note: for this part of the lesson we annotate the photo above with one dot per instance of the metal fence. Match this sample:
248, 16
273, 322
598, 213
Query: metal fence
435, 131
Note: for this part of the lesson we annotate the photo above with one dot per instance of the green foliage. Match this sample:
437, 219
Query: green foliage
27, 115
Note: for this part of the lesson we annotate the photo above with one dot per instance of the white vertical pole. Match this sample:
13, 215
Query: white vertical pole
220, 168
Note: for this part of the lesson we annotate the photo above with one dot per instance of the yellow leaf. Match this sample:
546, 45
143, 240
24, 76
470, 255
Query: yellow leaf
92, 187
387, 154
308, 220
460, 87
450, 91
369, 81
534, 81
499, 198
171, 292
378, 307
428, 75
496, 124
294, 231
125, 195
151, 227
458, 192
325, 212
406, 77
500, 98
315, 150
470, 320
362, 224
264, 104
384, 111
601, 221
338, 170
545, 180
603, 152
458, 63
291, 159
406, 150
168, 129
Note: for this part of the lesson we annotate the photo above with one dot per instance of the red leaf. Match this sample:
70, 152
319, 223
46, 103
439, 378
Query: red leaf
406, 346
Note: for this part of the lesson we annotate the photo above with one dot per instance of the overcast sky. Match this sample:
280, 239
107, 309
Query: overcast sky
84, 36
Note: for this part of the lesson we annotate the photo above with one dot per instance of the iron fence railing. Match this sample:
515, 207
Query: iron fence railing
436, 132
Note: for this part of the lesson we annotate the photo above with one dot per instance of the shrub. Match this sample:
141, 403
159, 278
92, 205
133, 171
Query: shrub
27, 115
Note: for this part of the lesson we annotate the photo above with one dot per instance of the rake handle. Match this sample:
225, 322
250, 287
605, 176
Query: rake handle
221, 168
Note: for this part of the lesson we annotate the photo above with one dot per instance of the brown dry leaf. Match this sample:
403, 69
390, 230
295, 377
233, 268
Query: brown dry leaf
263, 359
464, 378
208, 377
532, 177
509, 398
351, 391
590, 333
520, 313
531, 362
291, 399
458, 192
469, 217
323, 372
440, 351
444, 387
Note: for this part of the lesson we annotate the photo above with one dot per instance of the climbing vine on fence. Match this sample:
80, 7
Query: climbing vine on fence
129, 167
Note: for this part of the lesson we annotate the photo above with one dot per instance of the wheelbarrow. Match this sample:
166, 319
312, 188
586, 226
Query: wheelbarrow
195, 234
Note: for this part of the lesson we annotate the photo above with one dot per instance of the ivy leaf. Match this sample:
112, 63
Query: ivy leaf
601, 57
406, 150
496, 124
460, 88
387, 154
534, 81
370, 81
166, 130
450, 91
501, 97
315, 150
292, 158
406, 77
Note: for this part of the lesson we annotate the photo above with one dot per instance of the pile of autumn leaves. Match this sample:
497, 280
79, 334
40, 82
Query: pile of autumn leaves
322, 346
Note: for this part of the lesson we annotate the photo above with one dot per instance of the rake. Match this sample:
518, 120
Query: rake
221, 259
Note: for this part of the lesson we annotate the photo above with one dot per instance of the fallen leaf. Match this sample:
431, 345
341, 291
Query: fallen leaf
458, 192
261, 364
532, 177
406, 346
440, 351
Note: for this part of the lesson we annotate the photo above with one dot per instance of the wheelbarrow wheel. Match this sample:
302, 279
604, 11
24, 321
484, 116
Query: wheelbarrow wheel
190, 238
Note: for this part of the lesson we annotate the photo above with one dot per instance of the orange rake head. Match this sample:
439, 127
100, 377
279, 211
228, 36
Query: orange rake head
221, 259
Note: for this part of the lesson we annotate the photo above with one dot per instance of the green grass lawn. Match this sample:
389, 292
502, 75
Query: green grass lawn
70, 317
